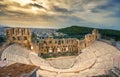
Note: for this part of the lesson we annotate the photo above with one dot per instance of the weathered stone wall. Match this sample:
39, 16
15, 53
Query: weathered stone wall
21, 36
50, 45
67, 45
89, 38
58, 45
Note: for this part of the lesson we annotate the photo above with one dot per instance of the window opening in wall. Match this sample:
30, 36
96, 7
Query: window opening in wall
25, 38
18, 38
14, 38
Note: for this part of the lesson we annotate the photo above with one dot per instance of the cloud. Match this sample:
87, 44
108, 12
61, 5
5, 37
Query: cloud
36, 5
60, 12
2, 6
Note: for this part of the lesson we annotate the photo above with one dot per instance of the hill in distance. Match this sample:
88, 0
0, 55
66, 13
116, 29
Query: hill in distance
79, 32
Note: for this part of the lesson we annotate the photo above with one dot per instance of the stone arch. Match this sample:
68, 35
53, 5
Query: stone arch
25, 38
13, 38
19, 38
59, 42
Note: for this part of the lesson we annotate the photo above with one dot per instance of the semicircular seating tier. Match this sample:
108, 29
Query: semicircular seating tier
16, 53
93, 60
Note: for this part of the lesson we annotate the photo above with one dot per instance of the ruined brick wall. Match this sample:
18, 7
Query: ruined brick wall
23, 37
67, 45
89, 38
96, 34
58, 45
19, 35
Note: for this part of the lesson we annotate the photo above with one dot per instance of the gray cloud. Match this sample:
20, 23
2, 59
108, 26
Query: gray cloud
5, 12
36, 5
2, 6
61, 9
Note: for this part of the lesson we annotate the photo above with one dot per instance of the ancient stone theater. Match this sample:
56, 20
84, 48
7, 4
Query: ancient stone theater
97, 57
50, 45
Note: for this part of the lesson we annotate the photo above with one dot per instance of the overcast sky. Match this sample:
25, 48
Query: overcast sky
60, 13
